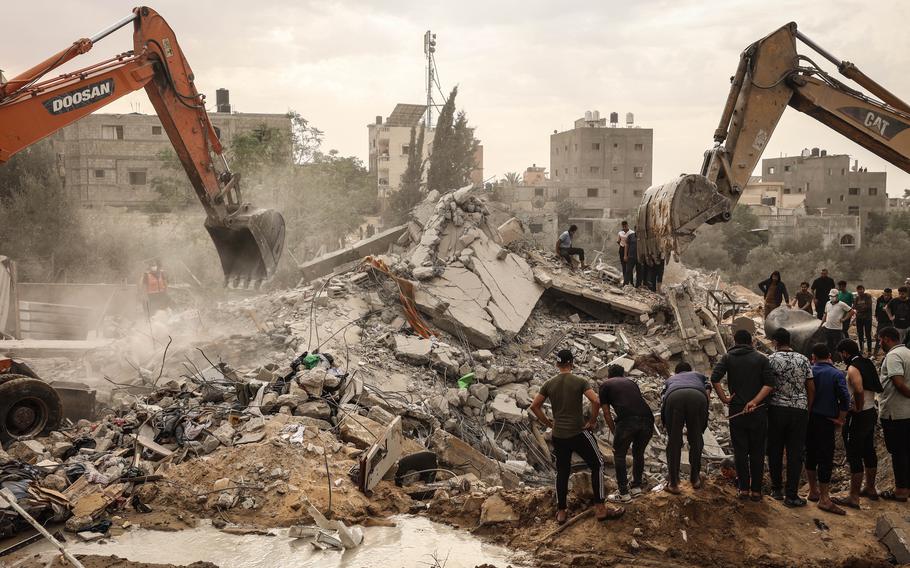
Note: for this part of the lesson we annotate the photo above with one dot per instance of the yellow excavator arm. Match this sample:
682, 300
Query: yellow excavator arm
771, 75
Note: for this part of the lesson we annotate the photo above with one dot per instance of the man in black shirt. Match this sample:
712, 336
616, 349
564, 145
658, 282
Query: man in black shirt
750, 380
899, 310
882, 317
820, 287
633, 426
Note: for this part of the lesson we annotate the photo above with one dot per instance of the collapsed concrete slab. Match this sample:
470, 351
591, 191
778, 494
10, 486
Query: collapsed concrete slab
325, 264
577, 292
470, 285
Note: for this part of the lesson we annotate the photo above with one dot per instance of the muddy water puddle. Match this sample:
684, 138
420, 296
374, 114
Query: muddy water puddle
413, 542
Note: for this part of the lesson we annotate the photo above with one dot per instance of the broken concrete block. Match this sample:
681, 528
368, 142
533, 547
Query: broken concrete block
480, 391
625, 362
29, 451
505, 408
511, 231
225, 433
462, 457
414, 350
222, 484
424, 272
892, 531
517, 391
575, 318
318, 409
482, 355
496, 510
603, 340
311, 381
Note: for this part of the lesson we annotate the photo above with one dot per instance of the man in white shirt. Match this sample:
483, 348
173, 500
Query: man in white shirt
836, 312
894, 411
565, 249
621, 241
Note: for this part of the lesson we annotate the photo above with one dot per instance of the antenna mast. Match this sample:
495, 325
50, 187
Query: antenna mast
429, 48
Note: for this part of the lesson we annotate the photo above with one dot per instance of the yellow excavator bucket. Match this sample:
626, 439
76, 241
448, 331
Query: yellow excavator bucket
249, 242
670, 213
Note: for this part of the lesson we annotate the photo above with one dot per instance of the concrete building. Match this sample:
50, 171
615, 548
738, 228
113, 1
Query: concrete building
534, 175
389, 142
602, 168
113, 159
759, 193
830, 183
832, 230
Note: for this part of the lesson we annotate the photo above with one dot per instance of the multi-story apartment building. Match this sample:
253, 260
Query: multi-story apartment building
389, 143
830, 183
602, 168
113, 159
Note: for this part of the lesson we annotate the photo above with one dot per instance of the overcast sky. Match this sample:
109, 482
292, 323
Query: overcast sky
524, 68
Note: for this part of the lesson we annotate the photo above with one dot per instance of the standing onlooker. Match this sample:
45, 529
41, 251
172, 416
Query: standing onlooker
846, 297
804, 298
833, 320
750, 379
775, 292
827, 411
894, 409
862, 305
882, 317
859, 430
684, 403
821, 287
633, 271
571, 434
899, 310
621, 241
787, 417
634, 426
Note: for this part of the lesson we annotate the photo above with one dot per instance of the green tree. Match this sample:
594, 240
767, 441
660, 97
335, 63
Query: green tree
511, 178
877, 222
454, 146
39, 219
173, 188
742, 234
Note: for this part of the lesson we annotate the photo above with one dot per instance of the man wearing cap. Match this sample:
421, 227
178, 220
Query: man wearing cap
572, 434
836, 313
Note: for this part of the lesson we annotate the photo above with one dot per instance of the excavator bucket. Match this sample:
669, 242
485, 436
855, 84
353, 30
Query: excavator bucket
249, 243
670, 213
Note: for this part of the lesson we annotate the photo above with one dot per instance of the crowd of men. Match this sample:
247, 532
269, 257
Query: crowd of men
839, 309
782, 405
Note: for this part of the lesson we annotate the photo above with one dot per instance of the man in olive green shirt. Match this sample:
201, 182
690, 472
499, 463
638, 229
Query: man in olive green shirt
572, 434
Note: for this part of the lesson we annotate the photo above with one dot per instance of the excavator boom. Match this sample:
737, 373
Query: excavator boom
771, 76
249, 241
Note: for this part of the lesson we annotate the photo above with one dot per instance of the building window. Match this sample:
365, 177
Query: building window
595, 146
555, 173
156, 131
615, 168
786, 191
112, 133
786, 168
637, 193
575, 148
137, 177
847, 241
873, 191
828, 201
615, 191
99, 173
853, 210
575, 170
536, 227
405, 149
853, 191
638, 171
538, 192
639, 147
595, 169
564, 193
615, 145
565, 171
843, 171
592, 192
771, 170
842, 198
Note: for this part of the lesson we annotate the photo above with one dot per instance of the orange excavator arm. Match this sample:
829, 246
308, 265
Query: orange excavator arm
249, 241
771, 76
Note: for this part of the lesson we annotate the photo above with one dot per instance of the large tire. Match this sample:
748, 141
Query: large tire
28, 408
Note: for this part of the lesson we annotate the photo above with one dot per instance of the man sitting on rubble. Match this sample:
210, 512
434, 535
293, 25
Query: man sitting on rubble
750, 380
684, 403
564, 248
571, 434
634, 426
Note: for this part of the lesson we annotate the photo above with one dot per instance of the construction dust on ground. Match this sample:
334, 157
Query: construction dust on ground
343, 420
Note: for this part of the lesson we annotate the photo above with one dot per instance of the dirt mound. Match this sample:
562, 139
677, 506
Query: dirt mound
706, 528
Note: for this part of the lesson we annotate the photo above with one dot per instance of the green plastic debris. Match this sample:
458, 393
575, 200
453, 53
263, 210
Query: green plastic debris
465, 381
310, 361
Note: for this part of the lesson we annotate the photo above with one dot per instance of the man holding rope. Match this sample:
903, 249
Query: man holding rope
750, 380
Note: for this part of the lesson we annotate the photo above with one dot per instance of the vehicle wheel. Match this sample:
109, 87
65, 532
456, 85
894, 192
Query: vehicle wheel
28, 408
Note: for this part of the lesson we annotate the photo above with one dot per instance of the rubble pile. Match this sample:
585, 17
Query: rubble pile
315, 393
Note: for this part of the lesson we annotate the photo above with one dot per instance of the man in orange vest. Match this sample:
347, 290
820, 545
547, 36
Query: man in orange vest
154, 286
